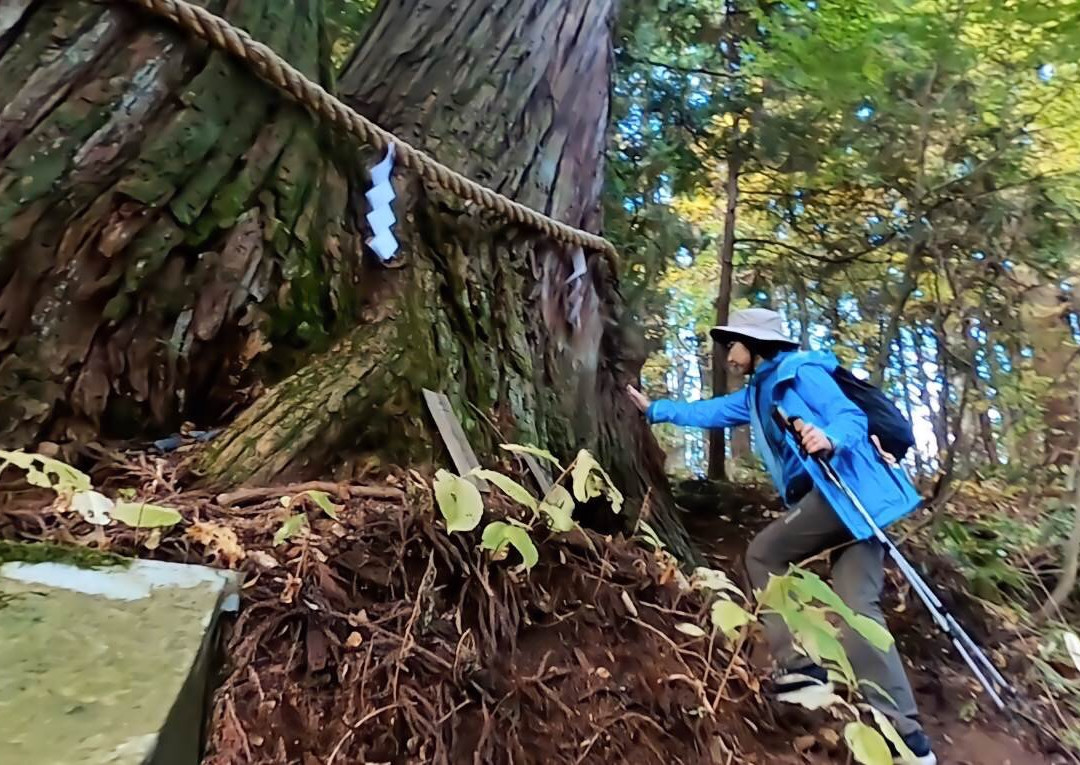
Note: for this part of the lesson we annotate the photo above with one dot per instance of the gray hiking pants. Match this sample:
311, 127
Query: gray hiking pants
858, 575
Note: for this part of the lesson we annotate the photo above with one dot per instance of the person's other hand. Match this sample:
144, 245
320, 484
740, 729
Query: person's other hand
813, 439
641, 401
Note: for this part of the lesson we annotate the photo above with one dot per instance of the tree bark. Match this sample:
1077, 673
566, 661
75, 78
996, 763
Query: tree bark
717, 450
166, 222
1043, 317
173, 233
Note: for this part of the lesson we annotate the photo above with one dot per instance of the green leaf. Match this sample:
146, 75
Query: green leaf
497, 535
508, 486
322, 499
535, 451
48, 473
866, 744
728, 617
886, 727
591, 480
290, 528
144, 516
648, 533
459, 501
813, 587
558, 507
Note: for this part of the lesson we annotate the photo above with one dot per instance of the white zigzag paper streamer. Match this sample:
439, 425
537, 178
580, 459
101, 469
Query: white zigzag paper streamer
381, 218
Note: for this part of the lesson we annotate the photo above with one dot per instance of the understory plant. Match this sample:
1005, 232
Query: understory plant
808, 606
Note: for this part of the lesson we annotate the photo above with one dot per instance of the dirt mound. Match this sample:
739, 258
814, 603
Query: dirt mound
376, 636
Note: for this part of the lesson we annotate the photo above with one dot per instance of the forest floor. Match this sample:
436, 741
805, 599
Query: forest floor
372, 635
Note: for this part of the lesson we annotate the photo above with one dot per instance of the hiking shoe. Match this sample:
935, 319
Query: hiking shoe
808, 686
919, 744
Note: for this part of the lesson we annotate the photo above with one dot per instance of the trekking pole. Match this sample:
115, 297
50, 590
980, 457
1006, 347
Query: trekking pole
984, 670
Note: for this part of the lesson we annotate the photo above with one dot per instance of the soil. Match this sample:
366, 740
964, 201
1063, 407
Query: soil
377, 637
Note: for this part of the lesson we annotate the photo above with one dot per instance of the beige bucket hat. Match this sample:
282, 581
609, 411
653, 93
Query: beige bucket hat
755, 323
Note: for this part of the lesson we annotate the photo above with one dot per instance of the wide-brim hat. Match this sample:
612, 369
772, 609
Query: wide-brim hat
753, 323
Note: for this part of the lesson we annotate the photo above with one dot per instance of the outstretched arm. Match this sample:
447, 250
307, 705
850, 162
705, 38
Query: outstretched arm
720, 412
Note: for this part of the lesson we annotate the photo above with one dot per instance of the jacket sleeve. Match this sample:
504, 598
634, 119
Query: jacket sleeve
720, 412
843, 422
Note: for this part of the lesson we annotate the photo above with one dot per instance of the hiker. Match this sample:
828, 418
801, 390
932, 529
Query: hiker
819, 519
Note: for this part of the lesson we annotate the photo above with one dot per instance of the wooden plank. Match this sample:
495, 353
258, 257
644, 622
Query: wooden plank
539, 473
453, 435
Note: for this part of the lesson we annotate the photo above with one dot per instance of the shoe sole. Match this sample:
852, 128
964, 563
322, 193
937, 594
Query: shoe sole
926, 759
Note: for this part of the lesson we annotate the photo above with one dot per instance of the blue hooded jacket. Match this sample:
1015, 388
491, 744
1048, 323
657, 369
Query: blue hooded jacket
801, 382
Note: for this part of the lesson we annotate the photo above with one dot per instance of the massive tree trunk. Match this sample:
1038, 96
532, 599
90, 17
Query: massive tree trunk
165, 220
172, 230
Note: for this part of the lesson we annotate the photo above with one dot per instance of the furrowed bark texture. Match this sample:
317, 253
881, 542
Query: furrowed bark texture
172, 232
164, 218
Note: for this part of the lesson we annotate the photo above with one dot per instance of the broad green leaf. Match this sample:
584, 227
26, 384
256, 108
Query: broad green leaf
728, 617
866, 744
459, 501
322, 499
498, 535
145, 516
290, 528
508, 486
692, 630
535, 451
814, 633
558, 508
886, 727
48, 473
93, 506
813, 587
591, 481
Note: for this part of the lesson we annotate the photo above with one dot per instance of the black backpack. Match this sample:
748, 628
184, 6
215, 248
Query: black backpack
883, 418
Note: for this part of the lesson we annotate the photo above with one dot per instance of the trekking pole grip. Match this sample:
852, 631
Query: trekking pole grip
790, 424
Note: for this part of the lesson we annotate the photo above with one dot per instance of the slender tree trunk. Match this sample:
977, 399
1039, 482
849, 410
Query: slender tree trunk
723, 298
1071, 552
923, 381
1044, 318
905, 383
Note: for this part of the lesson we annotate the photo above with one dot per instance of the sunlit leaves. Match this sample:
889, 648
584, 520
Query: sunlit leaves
459, 501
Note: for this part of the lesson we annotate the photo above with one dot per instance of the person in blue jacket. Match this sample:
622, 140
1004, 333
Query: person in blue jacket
820, 517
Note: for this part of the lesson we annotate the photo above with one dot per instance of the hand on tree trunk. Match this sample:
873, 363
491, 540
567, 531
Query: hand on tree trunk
641, 401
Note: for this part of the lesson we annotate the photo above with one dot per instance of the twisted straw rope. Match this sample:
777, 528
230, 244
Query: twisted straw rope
270, 67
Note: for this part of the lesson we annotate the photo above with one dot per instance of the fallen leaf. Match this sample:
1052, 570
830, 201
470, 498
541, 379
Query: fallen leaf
154, 540
353, 641
1072, 645
692, 630
804, 743
93, 506
263, 559
218, 540
142, 515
